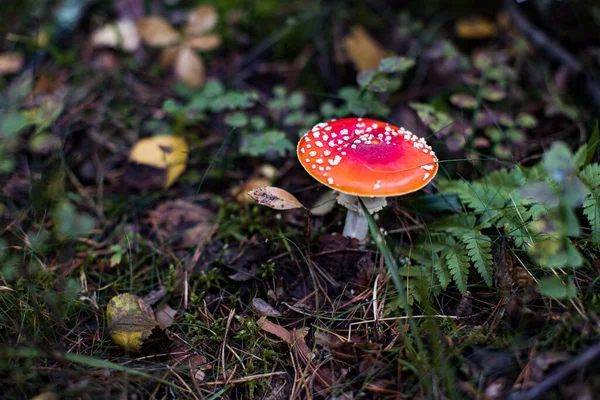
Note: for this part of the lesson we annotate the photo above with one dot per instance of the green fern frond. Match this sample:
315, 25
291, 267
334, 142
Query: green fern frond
590, 176
456, 224
457, 261
479, 249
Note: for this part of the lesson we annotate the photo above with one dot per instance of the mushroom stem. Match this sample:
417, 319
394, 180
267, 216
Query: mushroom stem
356, 226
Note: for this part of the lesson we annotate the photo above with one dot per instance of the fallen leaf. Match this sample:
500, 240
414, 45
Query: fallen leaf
204, 43
168, 56
155, 295
11, 63
165, 316
201, 20
189, 68
165, 152
364, 51
475, 27
244, 275
120, 35
130, 321
181, 222
274, 197
240, 192
157, 32
264, 308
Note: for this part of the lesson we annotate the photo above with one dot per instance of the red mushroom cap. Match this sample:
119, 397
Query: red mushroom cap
367, 158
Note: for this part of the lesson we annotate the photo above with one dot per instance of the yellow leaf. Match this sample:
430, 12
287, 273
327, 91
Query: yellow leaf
189, 68
121, 35
274, 197
157, 32
10, 63
204, 43
201, 20
130, 321
475, 27
167, 152
364, 51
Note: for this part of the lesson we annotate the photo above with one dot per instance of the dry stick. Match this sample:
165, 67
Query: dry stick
244, 379
560, 374
554, 50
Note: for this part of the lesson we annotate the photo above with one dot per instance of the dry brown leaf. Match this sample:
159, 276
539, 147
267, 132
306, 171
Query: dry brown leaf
475, 27
157, 32
201, 20
240, 192
189, 68
120, 35
168, 56
276, 330
205, 42
364, 51
274, 197
11, 63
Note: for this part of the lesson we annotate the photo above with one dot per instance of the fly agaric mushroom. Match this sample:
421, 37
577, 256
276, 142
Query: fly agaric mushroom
360, 157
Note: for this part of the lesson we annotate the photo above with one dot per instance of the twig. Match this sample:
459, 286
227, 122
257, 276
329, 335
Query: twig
559, 375
245, 379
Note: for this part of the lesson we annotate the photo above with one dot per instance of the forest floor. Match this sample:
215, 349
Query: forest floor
134, 264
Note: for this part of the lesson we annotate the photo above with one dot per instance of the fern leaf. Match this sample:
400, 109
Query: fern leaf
590, 176
442, 273
457, 224
458, 263
479, 249
591, 209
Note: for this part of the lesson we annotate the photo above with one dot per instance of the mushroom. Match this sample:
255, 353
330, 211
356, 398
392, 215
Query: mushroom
366, 158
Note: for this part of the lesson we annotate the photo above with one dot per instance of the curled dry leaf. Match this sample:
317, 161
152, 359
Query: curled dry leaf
201, 20
120, 35
205, 42
189, 68
166, 152
274, 197
130, 321
364, 51
11, 63
240, 192
157, 32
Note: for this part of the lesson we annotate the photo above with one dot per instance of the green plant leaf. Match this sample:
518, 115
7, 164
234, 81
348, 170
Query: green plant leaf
12, 124
258, 145
457, 261
237, 119
395, 64
553, 286
480, 251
